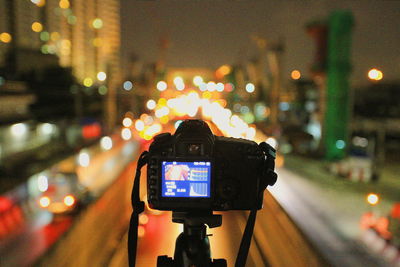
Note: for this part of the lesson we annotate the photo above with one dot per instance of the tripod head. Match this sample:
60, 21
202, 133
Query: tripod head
192, 247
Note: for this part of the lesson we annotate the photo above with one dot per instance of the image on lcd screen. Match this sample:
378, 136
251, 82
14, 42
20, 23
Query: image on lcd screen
186, 179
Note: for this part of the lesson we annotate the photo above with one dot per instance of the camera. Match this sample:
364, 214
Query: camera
194, 170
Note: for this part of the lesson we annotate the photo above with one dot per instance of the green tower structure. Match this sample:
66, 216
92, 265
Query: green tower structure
338, 88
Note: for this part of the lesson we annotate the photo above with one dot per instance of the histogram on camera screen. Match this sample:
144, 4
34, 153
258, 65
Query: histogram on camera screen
186, 179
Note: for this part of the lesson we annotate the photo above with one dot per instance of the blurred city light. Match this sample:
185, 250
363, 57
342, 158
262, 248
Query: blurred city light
43, 183
220, 87
197, 80
54, 36
44, 202
295, 75
229, 87
127, 122
250, 88
46, 128
139, 125
360, 141
128, 85
284, 106
126, 134
203, 87
179, 84
71, 19
88, 82
106, 142
64, 4
375, 74
97, 23
5, 37
19, 129
44, 36
37, 26
164, 111
372, 199
69, 200
222, 71
178, 79
101, 76
102, 90
162, 86
340, 144
84, 159
151, 104
211, 86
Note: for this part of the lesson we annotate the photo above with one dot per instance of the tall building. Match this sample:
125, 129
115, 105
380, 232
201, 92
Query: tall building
81, 34
84, 34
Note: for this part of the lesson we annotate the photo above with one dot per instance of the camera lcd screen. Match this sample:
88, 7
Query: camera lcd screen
186, 179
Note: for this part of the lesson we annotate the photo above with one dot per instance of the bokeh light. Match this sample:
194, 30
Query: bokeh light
37, 26
295, 75
161, 86
97, 23
106, 143
372, 199
88, 82
5, 37
128, 85
64, 4
101, 76
375, 74
151, 104
250, 88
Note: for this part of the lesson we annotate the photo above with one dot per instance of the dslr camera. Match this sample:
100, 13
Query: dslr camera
194, 170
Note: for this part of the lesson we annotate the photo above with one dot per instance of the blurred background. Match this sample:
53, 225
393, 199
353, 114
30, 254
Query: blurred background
85, 85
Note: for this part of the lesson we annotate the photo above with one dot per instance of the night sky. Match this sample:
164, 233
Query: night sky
209, 33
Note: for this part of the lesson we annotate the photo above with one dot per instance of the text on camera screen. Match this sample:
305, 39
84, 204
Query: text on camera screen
186, 179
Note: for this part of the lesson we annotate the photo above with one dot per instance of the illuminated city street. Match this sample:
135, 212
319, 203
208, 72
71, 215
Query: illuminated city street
290, 108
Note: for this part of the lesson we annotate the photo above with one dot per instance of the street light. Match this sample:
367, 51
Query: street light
161, 86
295, 75
372, 199
101, 76
197, 80
250, 88
375, 74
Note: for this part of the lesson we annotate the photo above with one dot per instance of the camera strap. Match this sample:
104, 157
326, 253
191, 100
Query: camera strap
269, 179
246, 239
137, 207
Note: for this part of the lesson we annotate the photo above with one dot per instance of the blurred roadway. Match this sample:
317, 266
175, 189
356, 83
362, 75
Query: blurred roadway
41, 229
98, 235
315, 210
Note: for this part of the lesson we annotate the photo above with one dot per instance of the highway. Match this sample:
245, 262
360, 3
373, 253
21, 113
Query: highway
97, 235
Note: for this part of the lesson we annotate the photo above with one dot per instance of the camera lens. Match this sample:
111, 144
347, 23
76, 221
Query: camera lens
194, 149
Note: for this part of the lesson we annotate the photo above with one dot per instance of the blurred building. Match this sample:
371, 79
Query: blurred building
14, 101
84, 34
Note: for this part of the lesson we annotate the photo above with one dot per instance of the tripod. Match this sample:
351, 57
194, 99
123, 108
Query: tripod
192, 247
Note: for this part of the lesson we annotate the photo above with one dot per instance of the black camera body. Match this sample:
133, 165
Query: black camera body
196, 170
